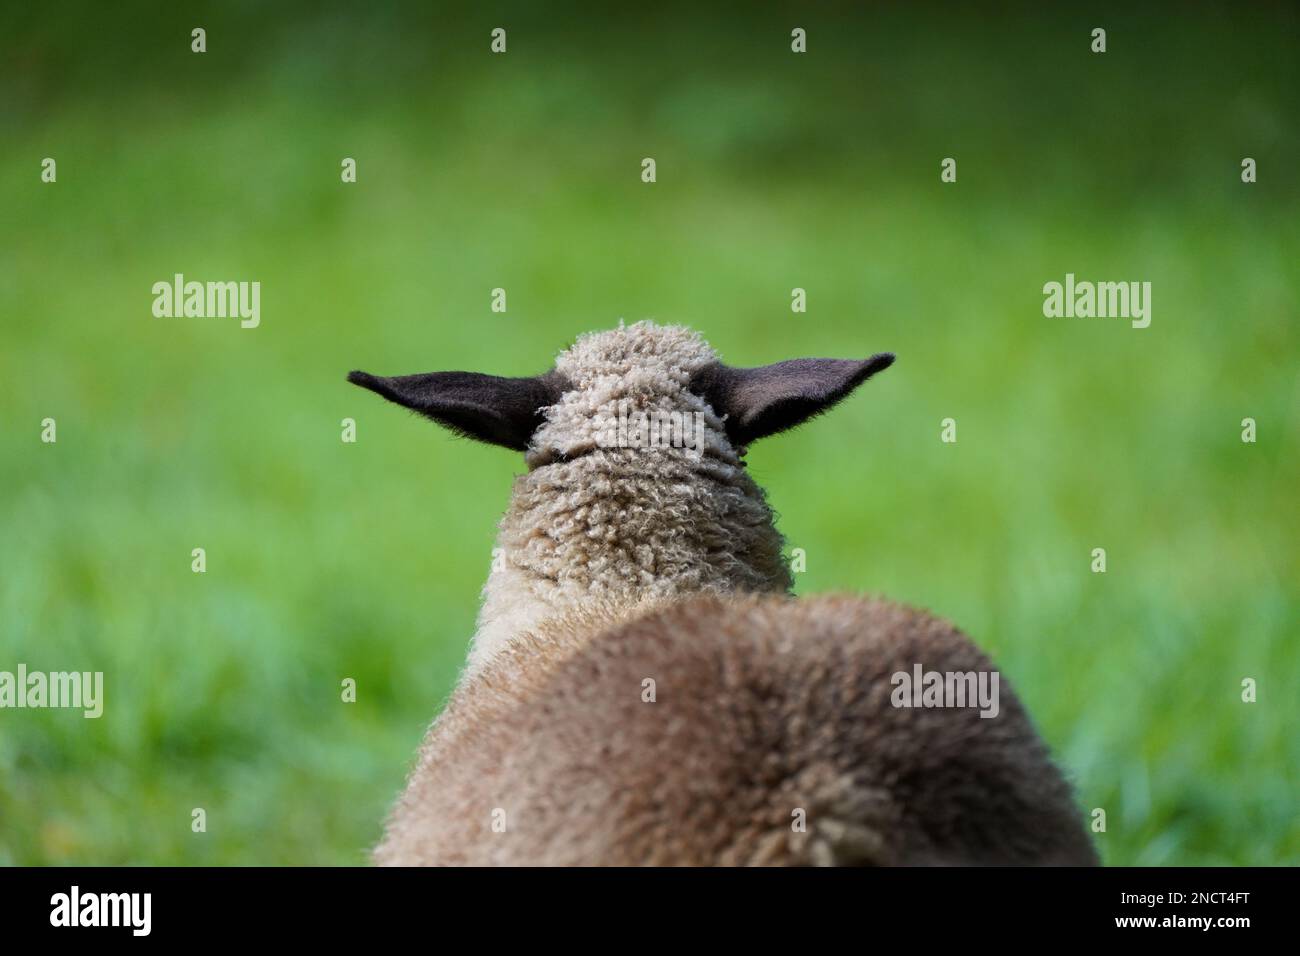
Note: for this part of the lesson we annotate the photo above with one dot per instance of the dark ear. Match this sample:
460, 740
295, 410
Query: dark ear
499, 411
763, 401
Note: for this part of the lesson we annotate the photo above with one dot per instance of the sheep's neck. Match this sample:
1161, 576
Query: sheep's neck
615, 535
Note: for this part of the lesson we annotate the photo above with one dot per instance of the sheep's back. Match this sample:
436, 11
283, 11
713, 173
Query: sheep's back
750, 730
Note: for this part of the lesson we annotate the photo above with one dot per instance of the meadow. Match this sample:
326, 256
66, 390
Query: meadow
329, 560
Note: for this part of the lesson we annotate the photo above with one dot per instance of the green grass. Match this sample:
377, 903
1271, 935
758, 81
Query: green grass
328, 560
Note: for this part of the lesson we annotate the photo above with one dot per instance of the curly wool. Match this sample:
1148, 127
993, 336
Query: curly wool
643, 368
626, 525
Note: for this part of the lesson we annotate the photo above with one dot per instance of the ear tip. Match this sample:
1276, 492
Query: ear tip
881, 361
358, 377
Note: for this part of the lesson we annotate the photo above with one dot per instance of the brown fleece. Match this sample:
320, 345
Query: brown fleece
767, 710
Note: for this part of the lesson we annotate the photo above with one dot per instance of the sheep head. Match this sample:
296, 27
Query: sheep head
607, 515
644, 373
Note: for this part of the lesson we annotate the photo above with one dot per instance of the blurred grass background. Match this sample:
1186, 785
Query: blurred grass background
328, 560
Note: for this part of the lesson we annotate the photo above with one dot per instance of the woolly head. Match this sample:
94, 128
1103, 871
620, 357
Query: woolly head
639, 387
636, 491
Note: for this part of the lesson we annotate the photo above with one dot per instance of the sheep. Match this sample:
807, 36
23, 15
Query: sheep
642, 688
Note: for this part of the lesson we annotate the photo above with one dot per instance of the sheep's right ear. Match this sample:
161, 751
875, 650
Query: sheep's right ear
762, 401
499, 411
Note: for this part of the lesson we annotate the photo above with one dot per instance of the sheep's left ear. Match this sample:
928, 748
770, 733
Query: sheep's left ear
771, 398
499, 411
